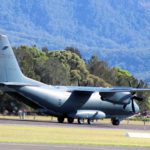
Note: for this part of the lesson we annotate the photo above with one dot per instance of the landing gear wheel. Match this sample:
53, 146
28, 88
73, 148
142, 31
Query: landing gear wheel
60, 119
70, 120
90, 121
80, 121
115, 122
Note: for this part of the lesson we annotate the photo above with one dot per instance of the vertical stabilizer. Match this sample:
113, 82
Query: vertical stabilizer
9, 68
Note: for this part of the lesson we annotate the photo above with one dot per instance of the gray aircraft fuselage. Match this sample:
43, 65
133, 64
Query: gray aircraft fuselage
60, 102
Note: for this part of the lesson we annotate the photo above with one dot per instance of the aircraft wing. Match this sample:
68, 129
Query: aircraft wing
103, 90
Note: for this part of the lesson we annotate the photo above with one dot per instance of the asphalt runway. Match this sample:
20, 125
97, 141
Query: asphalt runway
98, 126
22, 146
75, 125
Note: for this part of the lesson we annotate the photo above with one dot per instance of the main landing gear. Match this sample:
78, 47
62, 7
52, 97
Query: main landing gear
115, 121
90, 121
69, 119
80, 121
60, 119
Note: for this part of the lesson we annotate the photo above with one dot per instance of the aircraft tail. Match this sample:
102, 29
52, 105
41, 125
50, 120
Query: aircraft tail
9, 68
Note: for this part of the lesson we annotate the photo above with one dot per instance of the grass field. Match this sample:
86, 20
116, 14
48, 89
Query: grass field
29, 134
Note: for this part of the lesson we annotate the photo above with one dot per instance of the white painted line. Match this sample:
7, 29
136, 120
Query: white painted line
138, 135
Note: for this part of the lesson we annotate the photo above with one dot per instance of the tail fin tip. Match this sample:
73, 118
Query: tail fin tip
9, 68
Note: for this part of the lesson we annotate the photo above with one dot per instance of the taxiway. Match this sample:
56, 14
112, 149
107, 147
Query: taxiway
74, 125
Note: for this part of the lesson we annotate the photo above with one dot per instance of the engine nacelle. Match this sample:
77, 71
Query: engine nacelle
116, 97
88, 114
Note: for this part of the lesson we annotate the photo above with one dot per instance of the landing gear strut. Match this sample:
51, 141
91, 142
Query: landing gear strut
80, 121
90, 121
60, 119
70, 120
115, 122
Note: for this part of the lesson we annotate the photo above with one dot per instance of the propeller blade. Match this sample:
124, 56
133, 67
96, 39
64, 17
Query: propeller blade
133, 108
137, 98
124, 106
129, 84
139, 85
133, 93
79, 83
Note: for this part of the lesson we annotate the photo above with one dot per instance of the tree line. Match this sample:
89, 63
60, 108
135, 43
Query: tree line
67, 67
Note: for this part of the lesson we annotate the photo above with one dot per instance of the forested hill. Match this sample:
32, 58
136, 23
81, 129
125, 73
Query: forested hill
67, 67
118, 31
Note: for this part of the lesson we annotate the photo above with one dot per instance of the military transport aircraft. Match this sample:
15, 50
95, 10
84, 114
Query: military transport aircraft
66, 101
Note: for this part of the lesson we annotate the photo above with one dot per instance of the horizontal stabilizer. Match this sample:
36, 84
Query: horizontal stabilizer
15, 84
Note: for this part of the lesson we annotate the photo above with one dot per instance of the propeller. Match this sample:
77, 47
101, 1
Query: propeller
133, 93
134, 96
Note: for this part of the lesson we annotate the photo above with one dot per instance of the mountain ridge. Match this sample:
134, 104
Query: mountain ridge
117, 31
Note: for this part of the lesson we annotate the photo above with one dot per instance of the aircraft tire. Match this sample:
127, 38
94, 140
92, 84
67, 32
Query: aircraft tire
90, 121
80, 121
70, 120
60, 119
115, 122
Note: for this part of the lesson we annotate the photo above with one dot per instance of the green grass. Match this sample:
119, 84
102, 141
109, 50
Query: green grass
30, 134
